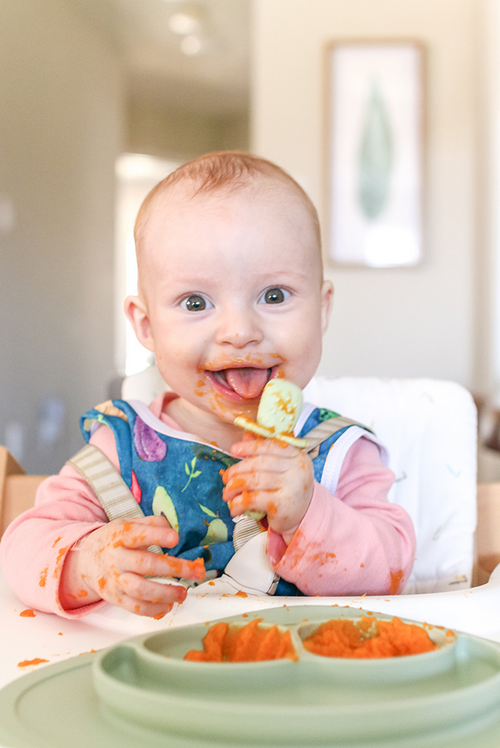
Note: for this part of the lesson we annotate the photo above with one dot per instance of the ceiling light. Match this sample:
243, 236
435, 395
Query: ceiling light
184, 23
191, 45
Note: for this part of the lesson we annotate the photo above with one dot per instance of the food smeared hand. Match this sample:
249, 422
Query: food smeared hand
272, 478
112, 563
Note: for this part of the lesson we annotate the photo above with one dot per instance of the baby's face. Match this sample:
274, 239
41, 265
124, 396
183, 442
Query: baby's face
233, 295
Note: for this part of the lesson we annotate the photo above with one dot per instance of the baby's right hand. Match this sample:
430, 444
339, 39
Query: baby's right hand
112, 562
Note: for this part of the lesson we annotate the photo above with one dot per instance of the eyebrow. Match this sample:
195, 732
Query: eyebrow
194, 279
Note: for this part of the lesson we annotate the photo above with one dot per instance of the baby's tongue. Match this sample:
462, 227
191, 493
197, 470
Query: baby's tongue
247, 381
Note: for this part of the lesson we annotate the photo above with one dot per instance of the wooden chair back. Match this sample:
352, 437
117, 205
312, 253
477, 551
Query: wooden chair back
17, 490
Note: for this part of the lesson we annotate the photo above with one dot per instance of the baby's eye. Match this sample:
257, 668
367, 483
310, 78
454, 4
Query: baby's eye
274, 296
196, 303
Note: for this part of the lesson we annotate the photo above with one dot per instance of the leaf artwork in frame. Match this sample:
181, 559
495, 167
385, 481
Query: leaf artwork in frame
374, 145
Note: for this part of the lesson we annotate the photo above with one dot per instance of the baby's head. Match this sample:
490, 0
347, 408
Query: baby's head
231, 290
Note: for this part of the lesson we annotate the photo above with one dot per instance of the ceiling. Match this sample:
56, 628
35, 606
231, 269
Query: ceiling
215, 80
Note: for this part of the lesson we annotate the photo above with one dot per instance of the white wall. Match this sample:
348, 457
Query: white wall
405, 323
60, 132
487, 361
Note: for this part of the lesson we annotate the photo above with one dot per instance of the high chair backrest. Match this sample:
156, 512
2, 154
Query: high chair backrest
429, 428
17, 490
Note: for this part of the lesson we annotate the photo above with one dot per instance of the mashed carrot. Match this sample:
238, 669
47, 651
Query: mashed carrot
249, 643
368, 638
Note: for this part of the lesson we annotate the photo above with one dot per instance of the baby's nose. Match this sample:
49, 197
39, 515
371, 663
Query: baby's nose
239, 328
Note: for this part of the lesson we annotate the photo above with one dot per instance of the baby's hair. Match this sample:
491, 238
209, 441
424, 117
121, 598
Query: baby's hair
222, 171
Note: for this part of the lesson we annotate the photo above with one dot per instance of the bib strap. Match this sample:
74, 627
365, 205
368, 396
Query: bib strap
115, 496
324, 430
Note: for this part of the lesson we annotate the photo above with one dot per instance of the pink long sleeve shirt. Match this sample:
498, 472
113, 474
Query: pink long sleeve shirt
350, 543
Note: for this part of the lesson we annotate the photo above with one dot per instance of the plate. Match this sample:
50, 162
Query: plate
142, 692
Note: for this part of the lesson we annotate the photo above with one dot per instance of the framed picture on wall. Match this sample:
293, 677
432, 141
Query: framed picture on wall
375, 100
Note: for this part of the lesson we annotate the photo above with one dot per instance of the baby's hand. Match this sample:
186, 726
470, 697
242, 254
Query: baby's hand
272, 477
112, 562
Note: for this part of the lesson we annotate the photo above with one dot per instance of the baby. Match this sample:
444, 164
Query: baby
231, 295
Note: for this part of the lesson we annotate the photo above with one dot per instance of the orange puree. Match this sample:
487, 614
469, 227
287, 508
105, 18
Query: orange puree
249, 643
368, 638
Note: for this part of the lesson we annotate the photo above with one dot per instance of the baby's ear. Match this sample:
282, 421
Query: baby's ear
326, 304
137, 313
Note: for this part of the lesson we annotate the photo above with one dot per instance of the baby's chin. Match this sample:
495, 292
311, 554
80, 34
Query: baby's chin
228, 410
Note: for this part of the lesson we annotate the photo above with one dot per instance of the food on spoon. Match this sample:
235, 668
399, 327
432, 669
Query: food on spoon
279, 410
368, 638
249, 643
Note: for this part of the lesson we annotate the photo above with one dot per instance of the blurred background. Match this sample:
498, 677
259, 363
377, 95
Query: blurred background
100, 99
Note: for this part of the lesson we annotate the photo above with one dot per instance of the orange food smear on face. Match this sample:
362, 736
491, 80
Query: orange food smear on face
56, 541
368, 638
27, 613
36, 661
395, 581
43, 577
102, 583
249, 643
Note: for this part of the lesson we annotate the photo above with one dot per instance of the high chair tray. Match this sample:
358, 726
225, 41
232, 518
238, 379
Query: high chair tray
143, 693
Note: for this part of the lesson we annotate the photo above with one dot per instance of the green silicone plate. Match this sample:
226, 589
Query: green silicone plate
142, 693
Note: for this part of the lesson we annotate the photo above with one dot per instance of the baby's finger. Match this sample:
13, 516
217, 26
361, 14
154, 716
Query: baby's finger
145, 590
253, 501
250, 466
150, 564
252, 481
144, 608
263, 446
141, 534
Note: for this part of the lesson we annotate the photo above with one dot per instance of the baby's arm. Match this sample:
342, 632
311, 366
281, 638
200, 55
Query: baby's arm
354, 542
42, 566
351, 543
35, 546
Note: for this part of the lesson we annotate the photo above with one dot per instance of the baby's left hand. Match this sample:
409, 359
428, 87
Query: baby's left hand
272, 477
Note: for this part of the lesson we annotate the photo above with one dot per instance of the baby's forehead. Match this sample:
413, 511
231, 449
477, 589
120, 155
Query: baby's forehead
186, 198
182, 209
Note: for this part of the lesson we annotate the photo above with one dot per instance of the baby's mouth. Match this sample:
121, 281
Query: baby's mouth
246, 381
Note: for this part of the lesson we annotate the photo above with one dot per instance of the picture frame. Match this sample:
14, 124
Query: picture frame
375, 126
